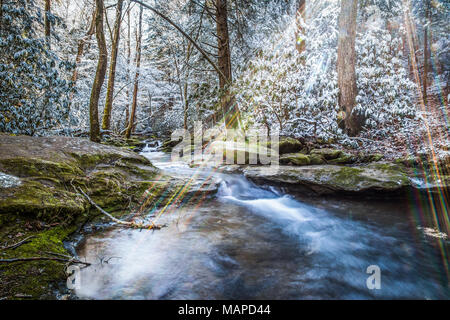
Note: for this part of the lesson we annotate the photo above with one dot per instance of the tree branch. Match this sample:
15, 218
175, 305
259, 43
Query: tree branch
184, 34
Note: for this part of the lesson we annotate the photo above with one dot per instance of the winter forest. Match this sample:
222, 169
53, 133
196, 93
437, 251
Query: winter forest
70, 67
92, 93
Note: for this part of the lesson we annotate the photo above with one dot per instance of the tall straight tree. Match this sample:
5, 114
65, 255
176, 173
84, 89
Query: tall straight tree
224, 60
223, 42
425, 49
346, 64
131, 122
100, 74
112, 68
127, 110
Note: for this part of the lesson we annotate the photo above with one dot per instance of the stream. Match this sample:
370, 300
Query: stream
255, 242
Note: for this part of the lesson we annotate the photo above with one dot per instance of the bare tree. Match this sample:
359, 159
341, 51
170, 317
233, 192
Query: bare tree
131, 122
346, 64
112, 68
100, 74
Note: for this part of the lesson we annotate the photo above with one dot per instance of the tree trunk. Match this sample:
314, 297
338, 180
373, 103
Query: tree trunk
425, 53
300, 43
223, 41
224, 62
47, 22
346, 64
112, 68
100, 74
136, 79
80, 50
127, 110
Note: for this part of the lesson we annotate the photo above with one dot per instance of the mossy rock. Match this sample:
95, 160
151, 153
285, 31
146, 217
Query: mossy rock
297, 159
39, 177
367, 158
287, 145
36, 279
317, 159
344, 158
327, 153
380, 179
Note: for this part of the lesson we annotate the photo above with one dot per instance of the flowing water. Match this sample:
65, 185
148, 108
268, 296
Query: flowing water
251, 242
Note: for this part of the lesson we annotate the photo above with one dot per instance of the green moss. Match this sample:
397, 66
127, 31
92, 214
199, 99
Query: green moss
45, 202
288, 145
327, 153
34, 278
317, 159
297, 159
388, 167
344, 158
31, 167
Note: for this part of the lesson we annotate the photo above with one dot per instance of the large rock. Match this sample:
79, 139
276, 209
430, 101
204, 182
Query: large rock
332, 179
38, 177
288, 145
297, 159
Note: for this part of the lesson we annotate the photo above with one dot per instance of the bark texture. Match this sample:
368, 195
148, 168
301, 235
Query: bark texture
346, 65
100, 74
223, 42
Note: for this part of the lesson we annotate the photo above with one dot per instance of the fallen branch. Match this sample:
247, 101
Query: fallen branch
121, 222
18, 244
71, 260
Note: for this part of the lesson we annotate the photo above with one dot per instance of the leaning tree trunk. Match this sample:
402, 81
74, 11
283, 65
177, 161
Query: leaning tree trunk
100, 74
47, 26
112, 69
346, 64
136, 78
300, 43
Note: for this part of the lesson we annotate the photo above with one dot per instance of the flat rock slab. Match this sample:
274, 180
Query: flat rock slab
332, 179
58, 148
